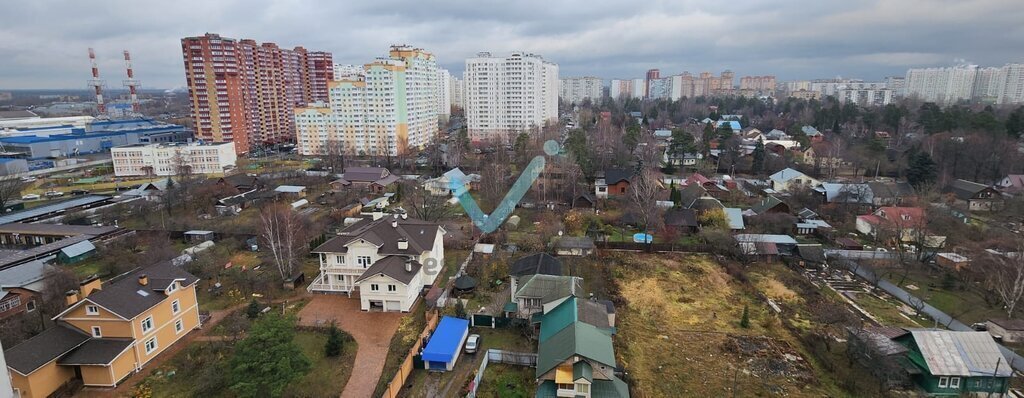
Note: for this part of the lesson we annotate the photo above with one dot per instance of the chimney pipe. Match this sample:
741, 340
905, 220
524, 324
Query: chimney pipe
143, 280
403, 244
71, 297
408, 264
394, 224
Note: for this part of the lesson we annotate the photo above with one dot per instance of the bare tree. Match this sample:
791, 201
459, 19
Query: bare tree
10, 189
58, 282
916, 303
643, 193
424, 205
282, 231
1006, 277
334, 155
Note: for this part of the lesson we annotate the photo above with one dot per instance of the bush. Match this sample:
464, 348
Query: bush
253, 311
334, 342
745, 320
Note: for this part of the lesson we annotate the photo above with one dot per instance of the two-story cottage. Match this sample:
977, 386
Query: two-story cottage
977, 197
575, 357
388, 261
109, 331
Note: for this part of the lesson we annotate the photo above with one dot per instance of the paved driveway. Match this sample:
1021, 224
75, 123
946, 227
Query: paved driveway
371, 330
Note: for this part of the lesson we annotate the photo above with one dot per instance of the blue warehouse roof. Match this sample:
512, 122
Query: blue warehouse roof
444, 343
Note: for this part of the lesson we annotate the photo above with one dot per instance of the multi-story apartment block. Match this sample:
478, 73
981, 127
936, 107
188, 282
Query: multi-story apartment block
620, 89
390, 107
506, 95
458, 95
943, 85
172, 159
865, 97
388, 261
896, 84
576, 89
109, 331
762, 84
347, 71
652, 75
243, 92
444, 94
639, 87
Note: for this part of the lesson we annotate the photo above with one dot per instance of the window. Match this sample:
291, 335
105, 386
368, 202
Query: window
92, 310
178, 326
582, 388
175, 306
147, 324
151, 345
374, 287
364, 261
954, 382
392, 288
97, 332
340, 259
943, 382
31, 306
10, 304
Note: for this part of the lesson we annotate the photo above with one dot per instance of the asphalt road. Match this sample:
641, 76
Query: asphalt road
1016, 361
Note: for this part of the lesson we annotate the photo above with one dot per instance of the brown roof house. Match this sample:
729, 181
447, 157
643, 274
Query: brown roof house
388, 260
977, 197
374, 179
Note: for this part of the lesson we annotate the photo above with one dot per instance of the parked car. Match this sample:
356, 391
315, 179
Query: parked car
77, 192
53, 194
472, 343
31, 196
28, 179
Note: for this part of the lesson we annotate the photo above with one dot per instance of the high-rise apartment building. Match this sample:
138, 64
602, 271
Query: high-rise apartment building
652, 75
458, 96
943, 85
896, 84
506, 95
390, 107
620, 89
866, 96
444, 94
764, 84
243, 92
347, 71
576, 89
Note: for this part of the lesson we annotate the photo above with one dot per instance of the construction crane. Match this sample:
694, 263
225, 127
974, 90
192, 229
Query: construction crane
132, 84
97, 84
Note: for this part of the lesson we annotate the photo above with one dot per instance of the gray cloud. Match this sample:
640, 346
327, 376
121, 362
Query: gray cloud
43, 43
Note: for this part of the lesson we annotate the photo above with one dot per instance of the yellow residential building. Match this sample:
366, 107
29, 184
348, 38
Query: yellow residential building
108, 332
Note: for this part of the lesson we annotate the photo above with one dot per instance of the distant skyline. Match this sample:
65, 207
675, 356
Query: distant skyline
44, 43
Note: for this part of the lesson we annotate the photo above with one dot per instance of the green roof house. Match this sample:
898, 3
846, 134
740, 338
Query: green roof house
955, 363
575, 357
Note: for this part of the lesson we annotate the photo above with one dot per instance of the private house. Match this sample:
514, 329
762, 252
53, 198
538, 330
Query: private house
1006, 330
575, 357
241, 182
76, 252
812, 133
770, 204
823, 155
536, 264
387, 261
765, 246
811, 256
151, 191
891, 193
1012, 184
16, 300
956, 363
811, 226
453, 181
291, 191
573, 245
846, 193
905, 223
614, 183
374, 179
976, 196
787, 179
682, 220
734, 216
684, 160
445, 344
874, 349
952, 261
19, 287
109, 331
531, 293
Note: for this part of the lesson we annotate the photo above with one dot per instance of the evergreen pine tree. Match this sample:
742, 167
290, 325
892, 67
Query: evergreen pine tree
745, 320
253, 310
334, 342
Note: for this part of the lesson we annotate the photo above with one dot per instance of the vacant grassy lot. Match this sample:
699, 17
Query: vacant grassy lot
679, 331
961, 301
507, 381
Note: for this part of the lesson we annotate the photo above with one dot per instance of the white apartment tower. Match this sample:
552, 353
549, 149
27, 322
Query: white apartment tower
576, 89
942, 85
458, 92
390, 107
506, 95
444, 94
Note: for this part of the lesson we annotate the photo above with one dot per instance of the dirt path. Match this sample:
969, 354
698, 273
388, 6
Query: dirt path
372, 331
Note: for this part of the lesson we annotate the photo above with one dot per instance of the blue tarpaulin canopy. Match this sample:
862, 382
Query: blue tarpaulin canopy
444, 343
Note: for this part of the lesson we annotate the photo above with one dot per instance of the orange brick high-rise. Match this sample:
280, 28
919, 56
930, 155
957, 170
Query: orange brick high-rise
245, 92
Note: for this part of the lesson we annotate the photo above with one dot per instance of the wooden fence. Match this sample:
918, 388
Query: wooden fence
395, 386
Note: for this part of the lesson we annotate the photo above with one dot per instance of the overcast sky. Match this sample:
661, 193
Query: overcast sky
43, 43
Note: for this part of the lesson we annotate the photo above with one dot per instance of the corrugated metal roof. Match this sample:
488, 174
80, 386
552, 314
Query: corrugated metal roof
950, 353
78, 249
41, 210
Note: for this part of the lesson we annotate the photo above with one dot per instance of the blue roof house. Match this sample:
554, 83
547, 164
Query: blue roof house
445, 344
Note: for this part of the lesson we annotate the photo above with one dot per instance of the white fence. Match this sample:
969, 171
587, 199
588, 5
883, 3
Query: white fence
860, 254
500, 356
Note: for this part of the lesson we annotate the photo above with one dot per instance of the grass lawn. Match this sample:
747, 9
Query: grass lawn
964, 303
886, 310
202, 369
507, 381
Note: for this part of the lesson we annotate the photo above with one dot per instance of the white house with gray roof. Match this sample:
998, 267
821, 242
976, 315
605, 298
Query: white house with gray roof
387, 261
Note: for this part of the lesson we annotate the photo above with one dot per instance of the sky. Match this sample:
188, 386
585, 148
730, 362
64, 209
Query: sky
44, 43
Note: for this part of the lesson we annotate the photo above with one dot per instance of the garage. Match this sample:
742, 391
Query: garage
393, 305
376, 305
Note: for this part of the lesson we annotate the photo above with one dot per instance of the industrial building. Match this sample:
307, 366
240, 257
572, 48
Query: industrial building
65, 140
